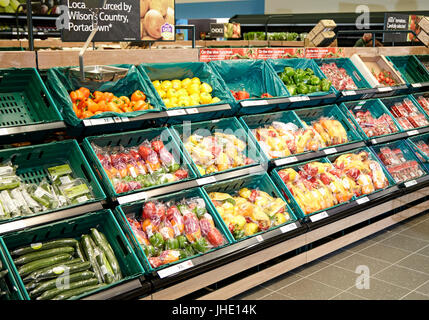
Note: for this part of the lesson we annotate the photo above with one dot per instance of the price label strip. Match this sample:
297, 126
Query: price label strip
374, 141
362, 200
175, 113
384, 89
298, 99
132, 197
252, 103
4, 132
410, 183
416, 85
319, 216
284, 161
259, 238
98, 122
349, 93
175, 269
330, 151
207, 180
288, 227
412, 132
192, 111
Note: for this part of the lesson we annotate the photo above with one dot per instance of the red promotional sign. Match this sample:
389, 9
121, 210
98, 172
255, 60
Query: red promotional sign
213, 54
324, 53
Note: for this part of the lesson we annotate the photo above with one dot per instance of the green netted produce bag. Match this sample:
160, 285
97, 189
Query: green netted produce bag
252, 75
60, 82
278, 65
182, 70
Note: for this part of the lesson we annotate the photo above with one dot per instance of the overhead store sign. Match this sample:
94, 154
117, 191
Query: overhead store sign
213, 54
395, 21
131, 20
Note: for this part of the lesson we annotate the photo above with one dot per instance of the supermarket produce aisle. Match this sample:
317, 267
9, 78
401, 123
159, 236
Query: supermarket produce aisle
396, 258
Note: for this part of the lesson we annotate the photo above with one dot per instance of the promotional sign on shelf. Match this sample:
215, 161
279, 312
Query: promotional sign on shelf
212, 54
324, 53
131, 20
395, 21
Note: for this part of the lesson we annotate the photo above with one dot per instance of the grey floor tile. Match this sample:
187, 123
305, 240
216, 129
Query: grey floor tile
385, 253
281, 281
405, 243
415, 296
424, 251
379, 290
253, 294
381, 235
276, 296
424, 289
347, 296
307, 289
335, 277
402, 277
336, 256
356, 260
416, 262
309, 268
420, 231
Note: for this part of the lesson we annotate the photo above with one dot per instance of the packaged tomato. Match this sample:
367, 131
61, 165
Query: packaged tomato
409, 106
192, 227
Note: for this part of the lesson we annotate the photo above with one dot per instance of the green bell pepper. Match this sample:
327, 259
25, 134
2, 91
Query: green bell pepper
289, 71
201, 245
189, 251
149, 251
314, 80
172, 244
291, 89
157, 240
325, 85
199, 212
182, 241
302, 88
305, 79
309, 71
313, 89
238, 234
182, 208
174, 167
297, 78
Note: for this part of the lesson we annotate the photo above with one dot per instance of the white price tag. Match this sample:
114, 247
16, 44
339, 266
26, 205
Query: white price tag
40, 33
87, 123
373, 141
206, 180
132, 197
125, 119
192, 111
284, 161
97, 122
3, 132
117, 119
330, 151
175, 113
319, 216
410, 183
384, 89
357, 108
175, 269
297, 99
259, 238
361, 103
416, 85
349, 93
288, 227
412, 132
362, 200
252, 103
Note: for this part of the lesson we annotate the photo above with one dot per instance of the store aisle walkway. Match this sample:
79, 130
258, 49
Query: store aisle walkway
398, 262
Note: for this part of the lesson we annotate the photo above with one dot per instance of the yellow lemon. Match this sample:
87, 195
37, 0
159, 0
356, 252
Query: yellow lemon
156, 84
196, 80
186, 82
162, 93
205, 98
193, 88
182, 92
205, 87
165, 85
171, 93
215, 100
176, 84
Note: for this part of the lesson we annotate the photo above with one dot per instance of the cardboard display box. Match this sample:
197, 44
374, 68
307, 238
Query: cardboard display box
424, 24
324, 39
322, 26
424, 37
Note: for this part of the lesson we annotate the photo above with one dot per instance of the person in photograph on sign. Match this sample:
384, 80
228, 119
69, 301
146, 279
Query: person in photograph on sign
366, 41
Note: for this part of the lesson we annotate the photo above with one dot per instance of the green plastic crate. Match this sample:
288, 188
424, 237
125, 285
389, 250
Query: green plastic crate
131, 139
252, 122
390, 102
375, 107
136, 208
103, 221
308, 115
8, 284
60, 83
352, 71
407, 151
424, 60
252, 75
182, 70
24, 99
33, 161
260, 181
411, 69
206, 128
413, 143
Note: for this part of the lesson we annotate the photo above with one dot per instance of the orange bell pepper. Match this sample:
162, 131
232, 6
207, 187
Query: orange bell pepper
87, 114
73, 96
125, 100
138, 95
92, 106
85, 92
98, 96
139, 105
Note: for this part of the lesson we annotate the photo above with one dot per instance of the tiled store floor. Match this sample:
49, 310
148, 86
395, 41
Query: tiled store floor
397, 259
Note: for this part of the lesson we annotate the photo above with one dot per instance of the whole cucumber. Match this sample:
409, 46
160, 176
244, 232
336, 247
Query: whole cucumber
73, 293
68, 242
80, 252
28, 268
36, 274
57, 271
29, 257
51, 284
71, 287
105, 240
104, 245
89, 253
3, 273
31, 286
105, 268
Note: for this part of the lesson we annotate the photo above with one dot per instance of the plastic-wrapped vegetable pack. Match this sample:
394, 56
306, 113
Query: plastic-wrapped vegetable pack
373, 126
408, 115
217, 152
249, 211
338, 76
149, 164
171, 231
18, 198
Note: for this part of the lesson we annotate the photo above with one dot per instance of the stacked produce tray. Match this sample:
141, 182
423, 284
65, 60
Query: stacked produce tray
412, 70
26, 106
